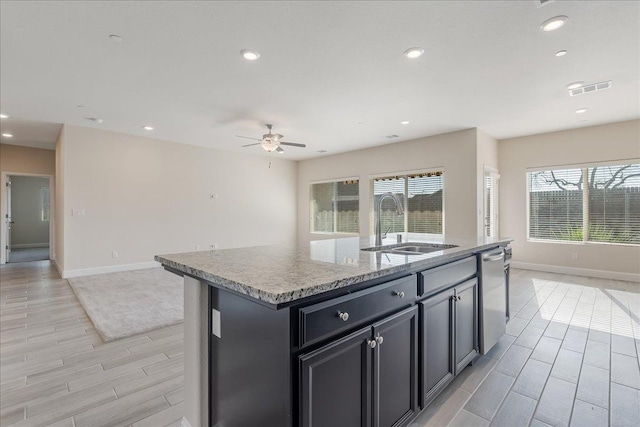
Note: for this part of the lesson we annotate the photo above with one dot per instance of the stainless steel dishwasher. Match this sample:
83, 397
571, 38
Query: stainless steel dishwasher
492, 298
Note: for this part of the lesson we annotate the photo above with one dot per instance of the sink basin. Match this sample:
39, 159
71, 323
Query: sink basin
410, 248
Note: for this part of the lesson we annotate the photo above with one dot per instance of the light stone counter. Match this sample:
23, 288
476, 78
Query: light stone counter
282, 274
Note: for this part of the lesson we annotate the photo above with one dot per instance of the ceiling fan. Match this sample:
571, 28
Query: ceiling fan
271, 141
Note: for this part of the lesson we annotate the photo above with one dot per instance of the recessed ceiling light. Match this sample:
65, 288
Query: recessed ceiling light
414, 52
581, 110
115, 38
406, 122
575, 85
4, 116
7, 135
554, 23
250, 55
148, 128
561, 53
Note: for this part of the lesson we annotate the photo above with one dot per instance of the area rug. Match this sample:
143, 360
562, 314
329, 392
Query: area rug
130, 302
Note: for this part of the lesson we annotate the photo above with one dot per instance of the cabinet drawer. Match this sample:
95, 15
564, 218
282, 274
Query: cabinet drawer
324, 319
439, 278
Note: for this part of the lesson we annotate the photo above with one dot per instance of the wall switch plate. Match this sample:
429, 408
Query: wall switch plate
114, 254
197, 247
216, 327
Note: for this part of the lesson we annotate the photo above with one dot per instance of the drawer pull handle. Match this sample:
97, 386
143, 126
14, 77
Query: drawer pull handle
399, 294
371, 343
379, 339
343, 315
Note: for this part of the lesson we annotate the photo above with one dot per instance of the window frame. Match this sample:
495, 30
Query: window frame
584, 242
331, 181
372, 207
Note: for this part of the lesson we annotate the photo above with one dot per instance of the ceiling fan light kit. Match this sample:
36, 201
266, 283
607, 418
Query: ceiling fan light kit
271, 141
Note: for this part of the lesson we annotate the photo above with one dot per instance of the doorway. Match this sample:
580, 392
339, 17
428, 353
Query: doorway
27, 231
491, 202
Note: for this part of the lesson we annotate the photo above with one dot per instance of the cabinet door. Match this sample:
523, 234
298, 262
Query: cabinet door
437, 344
395, 369
335, 383
466, 324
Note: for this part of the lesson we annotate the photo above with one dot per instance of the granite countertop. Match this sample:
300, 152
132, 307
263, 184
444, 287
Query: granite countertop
282, 274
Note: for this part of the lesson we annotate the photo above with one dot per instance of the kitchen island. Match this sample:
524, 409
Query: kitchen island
328, 333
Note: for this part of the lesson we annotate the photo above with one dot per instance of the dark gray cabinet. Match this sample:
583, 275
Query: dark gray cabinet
395, 367
449, 336
335, 383
437, 344
368, 378
466, 324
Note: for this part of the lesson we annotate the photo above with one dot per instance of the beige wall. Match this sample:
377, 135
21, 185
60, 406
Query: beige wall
591, 144
143, 197
487, 157
22, 160
28, 229
14, 158
455, 152
58, 225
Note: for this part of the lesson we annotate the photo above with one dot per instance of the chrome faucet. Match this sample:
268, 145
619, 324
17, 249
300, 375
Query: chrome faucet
399, 211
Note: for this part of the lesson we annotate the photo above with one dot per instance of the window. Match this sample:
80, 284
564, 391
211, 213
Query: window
589, 204
334, 207
422, 202
44, 204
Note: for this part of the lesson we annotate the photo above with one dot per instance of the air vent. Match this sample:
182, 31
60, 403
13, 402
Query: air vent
540, 3
322, 151
594, 87
94, 119
392, 136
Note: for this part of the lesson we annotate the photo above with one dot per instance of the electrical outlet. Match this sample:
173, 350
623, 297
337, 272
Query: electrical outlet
114, 254
197, 247
575, 256
212, 246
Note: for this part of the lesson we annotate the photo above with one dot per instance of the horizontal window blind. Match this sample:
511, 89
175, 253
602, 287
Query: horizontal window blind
422, 201
614, 204
335, 207
555, 205
597, 204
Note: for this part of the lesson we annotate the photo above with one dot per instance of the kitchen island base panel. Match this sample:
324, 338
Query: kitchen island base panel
196, 345
250, 368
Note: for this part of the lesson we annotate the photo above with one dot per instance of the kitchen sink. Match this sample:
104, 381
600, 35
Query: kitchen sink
410, 248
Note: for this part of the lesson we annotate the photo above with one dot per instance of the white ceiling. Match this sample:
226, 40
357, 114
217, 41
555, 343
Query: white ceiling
30, 133
332, 74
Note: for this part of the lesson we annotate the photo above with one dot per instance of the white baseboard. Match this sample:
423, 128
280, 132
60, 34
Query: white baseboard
602, 274
108, 269
29, 245
60, 271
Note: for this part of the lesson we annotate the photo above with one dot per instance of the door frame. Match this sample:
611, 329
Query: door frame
3, 218
490, 172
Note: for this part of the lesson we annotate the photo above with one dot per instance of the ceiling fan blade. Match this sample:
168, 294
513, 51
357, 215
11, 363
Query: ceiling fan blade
292, 144
279, 150
248, 137
250, 145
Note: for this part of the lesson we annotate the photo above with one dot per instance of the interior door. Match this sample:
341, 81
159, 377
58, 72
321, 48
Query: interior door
9, 221
491, 202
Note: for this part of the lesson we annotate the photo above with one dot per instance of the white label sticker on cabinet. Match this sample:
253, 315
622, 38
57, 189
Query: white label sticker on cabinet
216, 328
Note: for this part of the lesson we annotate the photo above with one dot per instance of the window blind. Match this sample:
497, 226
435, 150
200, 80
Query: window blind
614, 204
334, 207
422, 201
555, 204
597, 204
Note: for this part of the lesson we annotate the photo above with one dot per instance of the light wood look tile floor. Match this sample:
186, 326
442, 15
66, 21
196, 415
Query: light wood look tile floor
55, 370
570, 357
